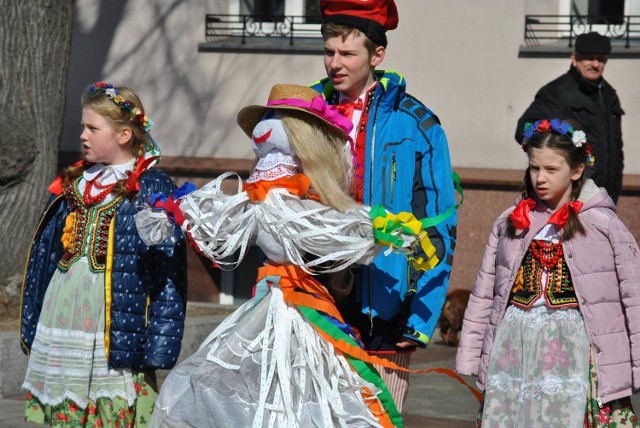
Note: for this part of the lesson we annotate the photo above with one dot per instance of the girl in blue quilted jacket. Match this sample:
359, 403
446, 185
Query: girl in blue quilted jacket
101, 310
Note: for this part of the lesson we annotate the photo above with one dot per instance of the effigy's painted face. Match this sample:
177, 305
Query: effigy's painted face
269, 134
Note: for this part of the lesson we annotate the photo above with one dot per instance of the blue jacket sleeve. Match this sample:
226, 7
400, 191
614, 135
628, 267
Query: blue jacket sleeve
167, 295
434, 195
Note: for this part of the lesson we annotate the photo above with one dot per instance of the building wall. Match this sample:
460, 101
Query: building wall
460, 58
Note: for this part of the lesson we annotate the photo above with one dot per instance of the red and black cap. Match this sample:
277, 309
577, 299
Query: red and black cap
372, 17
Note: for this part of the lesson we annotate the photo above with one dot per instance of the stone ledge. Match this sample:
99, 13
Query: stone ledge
476, 178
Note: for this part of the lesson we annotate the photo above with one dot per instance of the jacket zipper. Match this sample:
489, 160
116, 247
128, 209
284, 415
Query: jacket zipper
146, 310
394, 173
373, 144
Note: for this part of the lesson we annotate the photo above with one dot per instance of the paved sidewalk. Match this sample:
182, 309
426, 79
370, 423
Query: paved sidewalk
434, 401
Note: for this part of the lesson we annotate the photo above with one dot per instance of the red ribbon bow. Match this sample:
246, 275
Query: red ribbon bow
346, 108
132, 183
520, 216
561, 216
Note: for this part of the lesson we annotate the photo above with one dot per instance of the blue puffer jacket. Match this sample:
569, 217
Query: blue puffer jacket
407, 168
145, 287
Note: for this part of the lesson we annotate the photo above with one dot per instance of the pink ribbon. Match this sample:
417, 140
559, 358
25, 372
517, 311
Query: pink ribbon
320, 108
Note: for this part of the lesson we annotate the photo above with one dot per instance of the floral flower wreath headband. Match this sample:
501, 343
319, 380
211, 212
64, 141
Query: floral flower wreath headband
125, 105
577, 137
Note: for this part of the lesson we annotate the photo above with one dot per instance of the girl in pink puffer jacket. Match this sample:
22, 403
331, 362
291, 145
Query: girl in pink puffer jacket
552, 328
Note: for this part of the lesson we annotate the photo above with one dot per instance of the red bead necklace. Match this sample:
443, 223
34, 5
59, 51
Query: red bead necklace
91, 200
547, 253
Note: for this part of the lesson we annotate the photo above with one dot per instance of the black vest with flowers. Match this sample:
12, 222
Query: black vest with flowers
86, 230
527, 288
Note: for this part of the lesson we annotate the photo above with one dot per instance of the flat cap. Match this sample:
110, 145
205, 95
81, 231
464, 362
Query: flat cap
593, 43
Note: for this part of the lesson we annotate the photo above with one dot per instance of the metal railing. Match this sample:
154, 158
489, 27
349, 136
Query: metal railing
549, 28
220, 27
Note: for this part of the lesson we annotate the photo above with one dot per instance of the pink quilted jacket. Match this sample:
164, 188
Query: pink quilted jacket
605, 268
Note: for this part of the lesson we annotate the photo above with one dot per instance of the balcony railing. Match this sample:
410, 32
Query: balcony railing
542, 29
221, 27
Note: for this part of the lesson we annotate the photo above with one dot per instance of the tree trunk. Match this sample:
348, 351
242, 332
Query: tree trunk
35, 45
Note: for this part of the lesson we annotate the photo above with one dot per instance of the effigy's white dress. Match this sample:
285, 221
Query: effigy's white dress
270, 363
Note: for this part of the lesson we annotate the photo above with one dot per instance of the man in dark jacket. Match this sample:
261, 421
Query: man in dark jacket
582, 94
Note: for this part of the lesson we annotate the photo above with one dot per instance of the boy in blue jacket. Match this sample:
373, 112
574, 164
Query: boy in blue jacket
399, 159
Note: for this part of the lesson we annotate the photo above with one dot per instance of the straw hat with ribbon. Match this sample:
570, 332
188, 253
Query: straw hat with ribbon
284, 98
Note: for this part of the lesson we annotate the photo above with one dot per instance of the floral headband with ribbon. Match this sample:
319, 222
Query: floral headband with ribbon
576, 136
125, 105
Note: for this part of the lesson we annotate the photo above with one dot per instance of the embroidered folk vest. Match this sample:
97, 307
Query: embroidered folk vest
527, 288
86, 232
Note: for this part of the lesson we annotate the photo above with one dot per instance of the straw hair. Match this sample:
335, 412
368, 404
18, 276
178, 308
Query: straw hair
249, 116
322, 158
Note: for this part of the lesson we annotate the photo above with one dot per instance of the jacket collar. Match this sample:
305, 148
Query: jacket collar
392, 84
586, 86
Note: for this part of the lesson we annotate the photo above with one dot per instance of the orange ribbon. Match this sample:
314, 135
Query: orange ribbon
297, 184
300, 288
56, 185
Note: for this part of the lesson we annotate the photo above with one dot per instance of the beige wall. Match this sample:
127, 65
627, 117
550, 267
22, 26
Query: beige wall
459, 57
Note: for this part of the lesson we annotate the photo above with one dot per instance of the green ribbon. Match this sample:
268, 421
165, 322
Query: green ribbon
380, 211
390, 226
433, 221
364, 369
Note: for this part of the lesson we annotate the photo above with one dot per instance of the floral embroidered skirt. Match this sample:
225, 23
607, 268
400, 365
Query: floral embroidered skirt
616, 414
104, 412
68, 379
538, 370
540, 375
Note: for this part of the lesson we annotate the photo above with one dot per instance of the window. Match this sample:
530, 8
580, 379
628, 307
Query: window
599, 11
262, 8
312, 12
265, 26
271, 8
